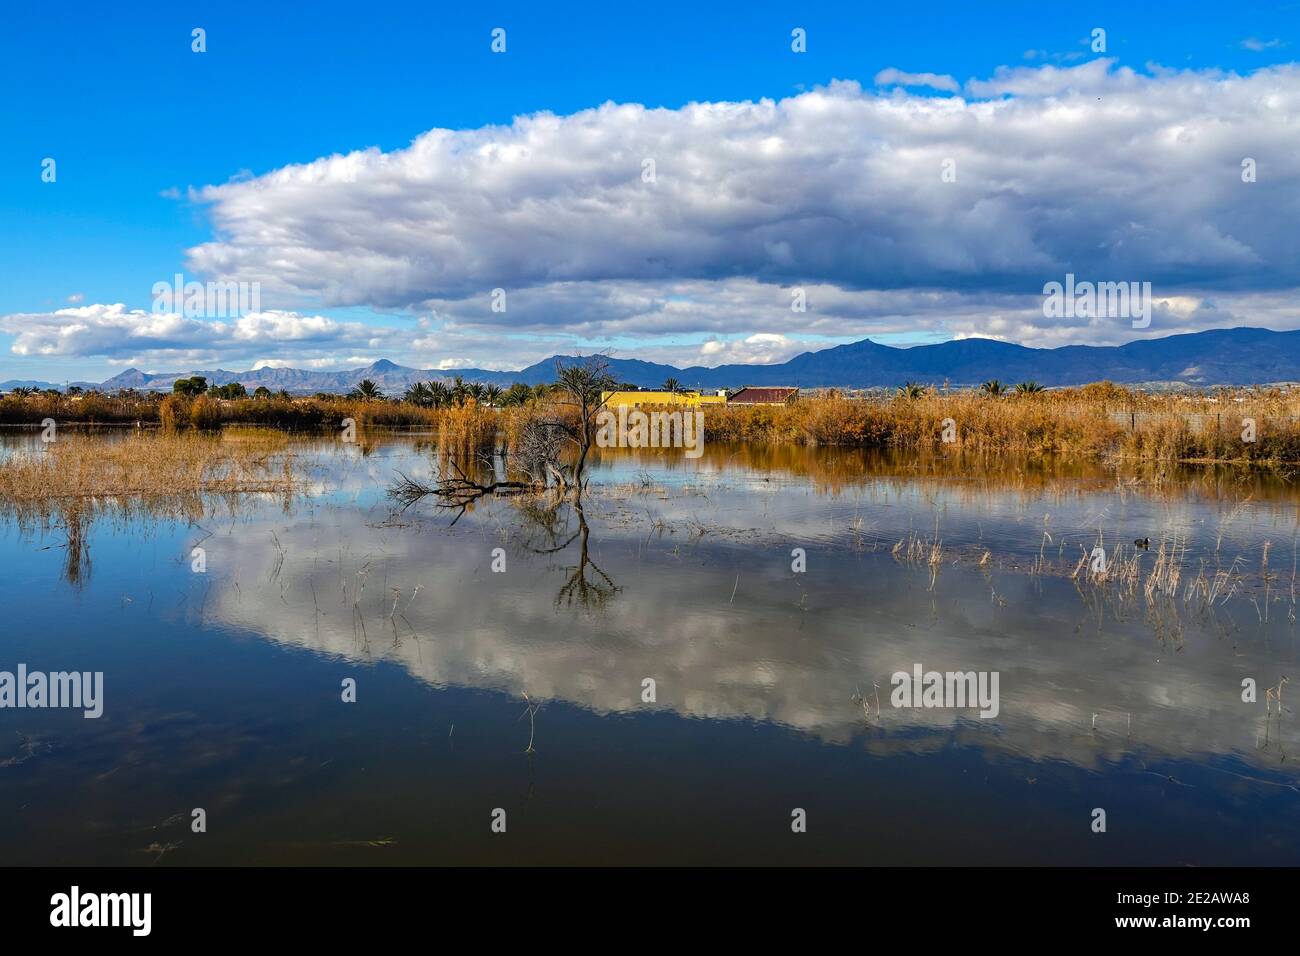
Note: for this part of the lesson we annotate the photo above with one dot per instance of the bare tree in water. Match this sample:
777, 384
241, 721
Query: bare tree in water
538, 463
569, 423
580, 387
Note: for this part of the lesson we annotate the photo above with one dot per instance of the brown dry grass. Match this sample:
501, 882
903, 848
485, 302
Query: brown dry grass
470, 427
151, 475
147, 465
92, 408
1100, 420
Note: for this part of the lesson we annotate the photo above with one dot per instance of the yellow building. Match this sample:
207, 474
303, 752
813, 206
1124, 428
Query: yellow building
635, 399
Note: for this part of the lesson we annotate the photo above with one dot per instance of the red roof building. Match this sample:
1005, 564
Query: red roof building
781, 395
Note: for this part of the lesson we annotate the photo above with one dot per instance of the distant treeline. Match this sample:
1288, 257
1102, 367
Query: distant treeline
432, 394
1096, 420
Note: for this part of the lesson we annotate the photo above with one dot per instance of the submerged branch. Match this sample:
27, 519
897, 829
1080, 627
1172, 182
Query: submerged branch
455, 492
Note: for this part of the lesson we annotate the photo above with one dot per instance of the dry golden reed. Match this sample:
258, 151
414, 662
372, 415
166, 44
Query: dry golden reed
145, 465
1100, 420
468, 427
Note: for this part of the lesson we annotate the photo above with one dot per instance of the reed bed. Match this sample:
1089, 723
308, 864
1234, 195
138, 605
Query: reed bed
469, 427
154, 465
205, 411
92, 409
310, 414
1100, 421
1095, 421
150, 476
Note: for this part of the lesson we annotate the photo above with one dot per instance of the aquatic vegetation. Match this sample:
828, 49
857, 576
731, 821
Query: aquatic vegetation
680, 571
1100, 420
144, 466
468, 427
91, 407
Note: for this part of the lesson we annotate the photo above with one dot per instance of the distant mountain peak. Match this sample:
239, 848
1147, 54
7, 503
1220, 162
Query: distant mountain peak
1245, 356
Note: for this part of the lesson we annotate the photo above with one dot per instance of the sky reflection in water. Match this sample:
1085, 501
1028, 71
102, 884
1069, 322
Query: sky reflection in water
223, 689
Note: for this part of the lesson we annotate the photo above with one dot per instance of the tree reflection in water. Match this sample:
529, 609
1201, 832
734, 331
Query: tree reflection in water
547, 510
550, 518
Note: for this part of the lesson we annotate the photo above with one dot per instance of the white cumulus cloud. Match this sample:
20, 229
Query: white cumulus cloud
1093, 169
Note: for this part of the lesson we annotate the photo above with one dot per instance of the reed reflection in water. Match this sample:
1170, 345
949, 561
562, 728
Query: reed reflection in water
222, 687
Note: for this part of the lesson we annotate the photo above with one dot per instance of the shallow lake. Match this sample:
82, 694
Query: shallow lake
768, 593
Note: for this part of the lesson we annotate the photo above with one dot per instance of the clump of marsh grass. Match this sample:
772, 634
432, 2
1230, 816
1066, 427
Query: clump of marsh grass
143, 468
153, 475
469, 427
1168, 570
1215, 589
1101, 420
862, 701
920, 551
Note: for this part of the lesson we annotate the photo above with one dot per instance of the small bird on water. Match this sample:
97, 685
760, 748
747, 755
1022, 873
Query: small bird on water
1143, 543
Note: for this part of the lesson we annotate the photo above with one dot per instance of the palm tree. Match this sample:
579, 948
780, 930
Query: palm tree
492, 394
366, 391
516, 395
459, 390
475, 391
671, 385
22, 391
911, 390
439, 394
993, 388
419, 394
1028, 388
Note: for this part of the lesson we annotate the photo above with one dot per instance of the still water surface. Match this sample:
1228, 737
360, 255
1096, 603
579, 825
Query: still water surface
223, 688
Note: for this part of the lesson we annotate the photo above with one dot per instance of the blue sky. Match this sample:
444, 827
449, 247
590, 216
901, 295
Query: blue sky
115, 95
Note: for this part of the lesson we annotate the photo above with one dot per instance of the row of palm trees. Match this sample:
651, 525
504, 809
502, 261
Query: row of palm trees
434, 394
992, 388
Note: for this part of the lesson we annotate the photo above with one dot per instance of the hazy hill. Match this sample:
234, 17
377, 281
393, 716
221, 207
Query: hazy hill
1220, 357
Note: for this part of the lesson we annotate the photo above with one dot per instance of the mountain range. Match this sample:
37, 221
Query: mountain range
1241, 356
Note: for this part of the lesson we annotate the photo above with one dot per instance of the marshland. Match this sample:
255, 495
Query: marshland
501, 609
1101, 420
